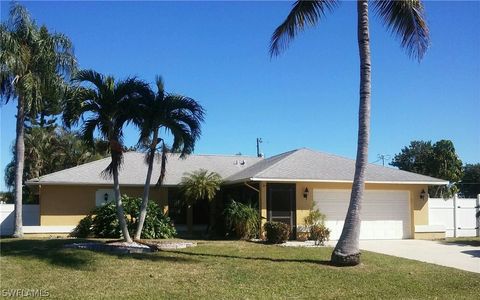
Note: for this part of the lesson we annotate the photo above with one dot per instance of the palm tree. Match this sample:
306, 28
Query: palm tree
179, 115
107, 106
201, 185
34, 63
406, 20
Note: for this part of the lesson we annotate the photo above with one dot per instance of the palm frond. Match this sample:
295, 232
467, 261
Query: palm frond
200, 184
160, 86
88, 130
91, 76
304, 13
406, 19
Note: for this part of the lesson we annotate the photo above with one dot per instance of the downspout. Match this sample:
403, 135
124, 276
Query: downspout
253, 188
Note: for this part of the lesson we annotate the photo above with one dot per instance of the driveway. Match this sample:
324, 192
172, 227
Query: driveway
455, 255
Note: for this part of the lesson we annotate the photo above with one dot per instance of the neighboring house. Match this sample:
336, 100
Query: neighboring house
285, 186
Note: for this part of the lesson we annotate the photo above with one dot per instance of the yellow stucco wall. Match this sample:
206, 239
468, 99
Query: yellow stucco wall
67, 205
419, 208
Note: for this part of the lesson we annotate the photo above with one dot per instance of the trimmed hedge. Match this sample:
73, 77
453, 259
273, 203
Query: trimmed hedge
276, 232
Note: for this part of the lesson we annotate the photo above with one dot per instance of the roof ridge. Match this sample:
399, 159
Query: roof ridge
287, 154
217, 155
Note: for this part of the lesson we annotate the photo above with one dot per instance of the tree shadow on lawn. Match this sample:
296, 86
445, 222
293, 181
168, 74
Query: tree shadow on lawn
309, 261
53, 252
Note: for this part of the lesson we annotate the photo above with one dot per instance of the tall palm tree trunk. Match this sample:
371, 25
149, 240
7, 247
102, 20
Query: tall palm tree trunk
119, 205
347, 251
146, 187
19, 163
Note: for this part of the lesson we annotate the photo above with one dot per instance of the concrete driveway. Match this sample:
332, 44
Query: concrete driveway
453, 255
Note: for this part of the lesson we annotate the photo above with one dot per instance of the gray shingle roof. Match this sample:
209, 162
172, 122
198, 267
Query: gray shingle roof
308, 165
134, 169
296, 165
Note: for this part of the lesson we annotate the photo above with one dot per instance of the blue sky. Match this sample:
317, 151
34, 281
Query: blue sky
217, 53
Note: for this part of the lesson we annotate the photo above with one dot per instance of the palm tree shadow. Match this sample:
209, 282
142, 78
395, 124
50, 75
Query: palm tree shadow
53, 252
271, 259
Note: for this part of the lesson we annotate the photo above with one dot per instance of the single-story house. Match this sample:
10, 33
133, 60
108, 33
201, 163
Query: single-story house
285, 186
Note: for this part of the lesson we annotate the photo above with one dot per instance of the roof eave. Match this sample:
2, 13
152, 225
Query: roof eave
347, 181
33, 183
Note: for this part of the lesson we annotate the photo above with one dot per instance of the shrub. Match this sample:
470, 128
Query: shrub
103, 221
243, 219
320, 234
314, 217
276, 232
84, 228
315, 223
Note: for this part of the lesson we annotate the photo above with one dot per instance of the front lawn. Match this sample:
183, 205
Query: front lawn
220, 270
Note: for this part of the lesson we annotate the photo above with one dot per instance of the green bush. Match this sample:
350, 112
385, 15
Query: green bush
319, 233
103, 221
243, 219
276, 232
84, 228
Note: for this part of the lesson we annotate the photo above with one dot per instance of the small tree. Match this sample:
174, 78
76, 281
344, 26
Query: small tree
470, 184
201, 185
437, 160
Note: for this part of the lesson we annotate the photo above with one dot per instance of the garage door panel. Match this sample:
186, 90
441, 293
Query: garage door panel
385, 214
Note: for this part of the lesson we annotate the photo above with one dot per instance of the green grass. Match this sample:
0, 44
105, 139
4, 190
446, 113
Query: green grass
222, 270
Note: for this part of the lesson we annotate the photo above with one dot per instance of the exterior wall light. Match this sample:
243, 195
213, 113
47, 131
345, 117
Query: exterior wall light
305, 193
423, 194
105, 197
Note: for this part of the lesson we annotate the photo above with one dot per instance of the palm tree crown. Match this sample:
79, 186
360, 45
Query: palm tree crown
405, 19
181, 116
200, 185
106, 106
34, 62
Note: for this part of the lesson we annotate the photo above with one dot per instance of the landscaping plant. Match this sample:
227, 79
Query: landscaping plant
276, 232
315, 223
243, 219
103, 221
320, 234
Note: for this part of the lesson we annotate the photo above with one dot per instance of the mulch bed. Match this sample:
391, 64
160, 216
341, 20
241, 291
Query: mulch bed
142, 246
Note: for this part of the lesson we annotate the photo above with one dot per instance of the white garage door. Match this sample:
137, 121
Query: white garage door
385, 214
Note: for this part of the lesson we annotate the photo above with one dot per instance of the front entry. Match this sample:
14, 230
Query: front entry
281, 205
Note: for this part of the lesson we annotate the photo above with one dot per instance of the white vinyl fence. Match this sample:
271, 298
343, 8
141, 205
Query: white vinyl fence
456, 214
31, 217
